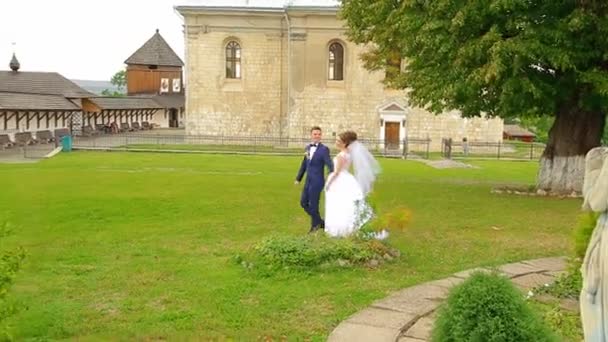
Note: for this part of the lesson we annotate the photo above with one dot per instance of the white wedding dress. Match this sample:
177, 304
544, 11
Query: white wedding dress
345, 207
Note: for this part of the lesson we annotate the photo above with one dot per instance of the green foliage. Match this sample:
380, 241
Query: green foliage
569, 285
504, 58
487, 307
309, 251
605, 135
119, 265
564, 322
119, 79
540, 125
582, 233
10, 262
108, 92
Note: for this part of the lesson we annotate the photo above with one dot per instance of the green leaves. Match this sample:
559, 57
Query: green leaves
502, 57
315, 250
487, 307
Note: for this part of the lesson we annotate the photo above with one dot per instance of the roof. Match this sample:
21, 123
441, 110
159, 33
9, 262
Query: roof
156, 51
257, 4
19, 101
127, 102
42, 83
517, 131
170, 100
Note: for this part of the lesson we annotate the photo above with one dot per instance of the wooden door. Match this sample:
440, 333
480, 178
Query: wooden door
391, 135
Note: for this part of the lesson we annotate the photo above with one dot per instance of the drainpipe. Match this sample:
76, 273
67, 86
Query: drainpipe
288, 107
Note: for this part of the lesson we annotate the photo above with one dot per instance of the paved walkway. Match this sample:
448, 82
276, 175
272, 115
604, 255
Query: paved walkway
26, 154
408, 315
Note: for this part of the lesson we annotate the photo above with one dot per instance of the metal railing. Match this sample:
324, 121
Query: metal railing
238, 144
507, 149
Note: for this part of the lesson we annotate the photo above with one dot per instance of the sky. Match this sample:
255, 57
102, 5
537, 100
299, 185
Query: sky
83, 39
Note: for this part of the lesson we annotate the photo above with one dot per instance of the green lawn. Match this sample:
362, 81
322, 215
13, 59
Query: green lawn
140, 245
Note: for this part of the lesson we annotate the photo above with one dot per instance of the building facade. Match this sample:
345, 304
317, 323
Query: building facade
270, 69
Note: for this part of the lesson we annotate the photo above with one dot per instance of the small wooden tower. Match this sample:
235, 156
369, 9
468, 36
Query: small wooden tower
154, 69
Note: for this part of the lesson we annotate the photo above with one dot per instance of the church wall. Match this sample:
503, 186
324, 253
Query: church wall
256, 104
247, 106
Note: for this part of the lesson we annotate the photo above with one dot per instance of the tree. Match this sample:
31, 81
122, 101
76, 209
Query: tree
540, 125
507, 58
119, 80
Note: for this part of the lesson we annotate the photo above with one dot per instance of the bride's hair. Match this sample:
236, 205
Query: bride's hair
348, 137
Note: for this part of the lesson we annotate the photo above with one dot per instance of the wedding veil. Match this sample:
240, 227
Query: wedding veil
365, 165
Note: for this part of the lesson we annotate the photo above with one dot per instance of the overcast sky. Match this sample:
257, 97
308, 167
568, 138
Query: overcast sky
83, 39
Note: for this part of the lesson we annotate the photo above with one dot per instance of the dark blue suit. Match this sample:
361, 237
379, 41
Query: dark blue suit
315, 181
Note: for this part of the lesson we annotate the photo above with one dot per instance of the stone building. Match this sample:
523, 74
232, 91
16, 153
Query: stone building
268, 68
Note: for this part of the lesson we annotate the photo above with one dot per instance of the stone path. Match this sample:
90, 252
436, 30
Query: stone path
26, 154
447, 164
408, 315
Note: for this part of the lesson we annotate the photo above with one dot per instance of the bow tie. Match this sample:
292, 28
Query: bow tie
315, 145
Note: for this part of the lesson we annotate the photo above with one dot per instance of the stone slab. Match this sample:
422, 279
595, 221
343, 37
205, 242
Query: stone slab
350, 332
417, 306
447, 283
532, 280
420, 299
382, 318
409, 339
421, 329
548, 264
468, 273
570, 304
555, 274
518, 269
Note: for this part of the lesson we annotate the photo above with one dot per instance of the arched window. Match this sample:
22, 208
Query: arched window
233, 60
336, 62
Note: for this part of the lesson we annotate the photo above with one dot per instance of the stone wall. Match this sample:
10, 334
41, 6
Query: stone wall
250, 105
257, 103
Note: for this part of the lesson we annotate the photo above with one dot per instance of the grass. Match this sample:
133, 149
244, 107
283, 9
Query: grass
141, 245
563, 322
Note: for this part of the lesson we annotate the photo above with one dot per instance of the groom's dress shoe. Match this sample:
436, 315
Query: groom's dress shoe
315, 229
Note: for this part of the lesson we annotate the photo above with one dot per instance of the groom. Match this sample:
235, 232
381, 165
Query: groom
314, 162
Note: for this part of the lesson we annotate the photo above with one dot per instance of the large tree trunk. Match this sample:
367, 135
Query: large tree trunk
574, 132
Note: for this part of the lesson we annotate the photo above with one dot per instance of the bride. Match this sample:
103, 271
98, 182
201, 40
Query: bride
345, 207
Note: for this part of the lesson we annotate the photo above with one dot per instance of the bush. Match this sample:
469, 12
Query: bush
396, 219
569, 285
487, 307
313, 250
583, 231
10, 262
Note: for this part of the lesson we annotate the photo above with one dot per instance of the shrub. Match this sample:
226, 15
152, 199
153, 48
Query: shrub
569, 285
10, 262
583, 231
310, 251
487, 307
